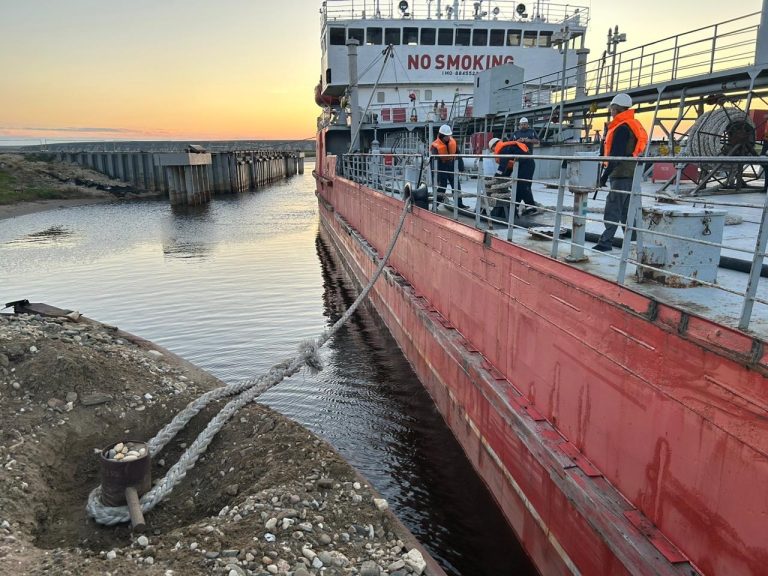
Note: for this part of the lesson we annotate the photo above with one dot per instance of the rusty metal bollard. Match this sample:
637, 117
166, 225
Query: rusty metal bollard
125, 480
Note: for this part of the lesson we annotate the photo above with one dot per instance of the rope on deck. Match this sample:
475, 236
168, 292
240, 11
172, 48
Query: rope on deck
247, 391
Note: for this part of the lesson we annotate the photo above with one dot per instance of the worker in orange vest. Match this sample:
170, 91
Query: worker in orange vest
444, 165
625, 137
523, 193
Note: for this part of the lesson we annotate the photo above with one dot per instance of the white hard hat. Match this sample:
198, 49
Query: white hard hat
623, 100
445, 130
492, 143
523, 120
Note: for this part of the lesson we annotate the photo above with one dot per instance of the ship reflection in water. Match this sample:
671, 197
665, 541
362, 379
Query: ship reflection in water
234, 287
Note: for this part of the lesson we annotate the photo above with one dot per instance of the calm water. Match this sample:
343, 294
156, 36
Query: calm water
234, 287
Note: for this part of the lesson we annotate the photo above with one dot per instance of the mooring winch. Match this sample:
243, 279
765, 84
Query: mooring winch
125, 476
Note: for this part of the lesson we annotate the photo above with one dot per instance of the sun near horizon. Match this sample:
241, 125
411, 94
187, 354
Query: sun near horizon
229, 70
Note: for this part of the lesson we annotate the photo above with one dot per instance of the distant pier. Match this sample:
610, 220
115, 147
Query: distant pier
194, 175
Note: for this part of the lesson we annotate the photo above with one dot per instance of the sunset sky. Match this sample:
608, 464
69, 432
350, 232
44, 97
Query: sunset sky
211, 69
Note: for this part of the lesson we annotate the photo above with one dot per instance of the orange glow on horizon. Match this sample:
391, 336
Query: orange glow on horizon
230, 70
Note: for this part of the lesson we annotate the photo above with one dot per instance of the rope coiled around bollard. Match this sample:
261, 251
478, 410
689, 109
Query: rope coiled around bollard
246, 392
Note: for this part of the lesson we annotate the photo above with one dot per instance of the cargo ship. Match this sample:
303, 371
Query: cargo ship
615, 406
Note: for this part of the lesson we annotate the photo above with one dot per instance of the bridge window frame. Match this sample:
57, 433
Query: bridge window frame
356, 34
514, 37
337, 36
410, 36
428, 37
392, 36
530, 38
443, 35
480, 37
496, 37
374, 36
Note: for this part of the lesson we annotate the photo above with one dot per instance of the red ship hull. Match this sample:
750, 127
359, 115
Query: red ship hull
617, 434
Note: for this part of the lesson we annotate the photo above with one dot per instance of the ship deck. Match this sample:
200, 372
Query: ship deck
722, 303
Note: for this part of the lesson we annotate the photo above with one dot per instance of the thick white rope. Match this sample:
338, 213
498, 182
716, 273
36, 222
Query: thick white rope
247, 391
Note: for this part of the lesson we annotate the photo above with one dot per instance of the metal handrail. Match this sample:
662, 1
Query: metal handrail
371, 170
645, 65
551, 12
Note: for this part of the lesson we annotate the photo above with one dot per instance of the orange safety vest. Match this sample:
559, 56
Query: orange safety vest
444, 150
501, 145
627, 117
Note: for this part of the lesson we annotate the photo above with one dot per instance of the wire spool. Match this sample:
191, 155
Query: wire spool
725, 131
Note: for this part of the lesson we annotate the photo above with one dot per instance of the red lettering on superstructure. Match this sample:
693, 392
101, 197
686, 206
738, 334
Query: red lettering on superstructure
456, 61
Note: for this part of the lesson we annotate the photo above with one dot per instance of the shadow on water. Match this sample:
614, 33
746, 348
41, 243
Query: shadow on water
418, 465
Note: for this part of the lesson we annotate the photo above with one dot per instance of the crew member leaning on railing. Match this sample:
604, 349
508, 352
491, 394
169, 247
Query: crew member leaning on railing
625, 137
444, 164
524, 175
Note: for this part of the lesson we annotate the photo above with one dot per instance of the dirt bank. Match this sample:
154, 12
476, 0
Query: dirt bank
268, 497
33, 183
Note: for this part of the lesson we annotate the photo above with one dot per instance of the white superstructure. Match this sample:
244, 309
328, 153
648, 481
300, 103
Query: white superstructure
438, 48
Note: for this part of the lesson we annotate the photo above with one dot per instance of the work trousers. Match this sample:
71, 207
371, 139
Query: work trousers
522, 189
616, 209
444, 177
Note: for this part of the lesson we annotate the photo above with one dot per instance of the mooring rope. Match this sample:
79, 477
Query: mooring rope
247, 391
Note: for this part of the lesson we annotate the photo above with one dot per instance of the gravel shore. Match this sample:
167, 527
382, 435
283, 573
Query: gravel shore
267, 498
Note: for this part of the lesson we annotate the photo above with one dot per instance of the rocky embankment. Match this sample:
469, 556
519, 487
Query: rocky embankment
267, 498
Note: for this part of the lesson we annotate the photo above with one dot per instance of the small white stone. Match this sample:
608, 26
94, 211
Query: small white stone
142, 541
155, 353
129, 458
147, 396
33, 349
119, 447
356, 485
111, 555
380, 503
149, 560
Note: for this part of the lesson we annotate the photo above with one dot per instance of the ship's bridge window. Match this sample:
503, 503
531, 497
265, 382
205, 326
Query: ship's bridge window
529, 38
380, 97
338, 36
410, 36
462, 37
427, 94
392, 36
545, 39
479, 37
373, 36
356, 34
428, 36
497, 38
445, 36
513, 37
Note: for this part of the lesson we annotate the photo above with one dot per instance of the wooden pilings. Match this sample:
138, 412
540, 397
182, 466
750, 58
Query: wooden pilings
192, 177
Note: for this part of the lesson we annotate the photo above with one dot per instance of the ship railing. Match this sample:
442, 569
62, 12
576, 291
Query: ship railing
570, 215
704, 51
550, 12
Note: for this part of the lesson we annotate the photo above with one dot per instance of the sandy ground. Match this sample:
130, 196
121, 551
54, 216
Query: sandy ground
267, 497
